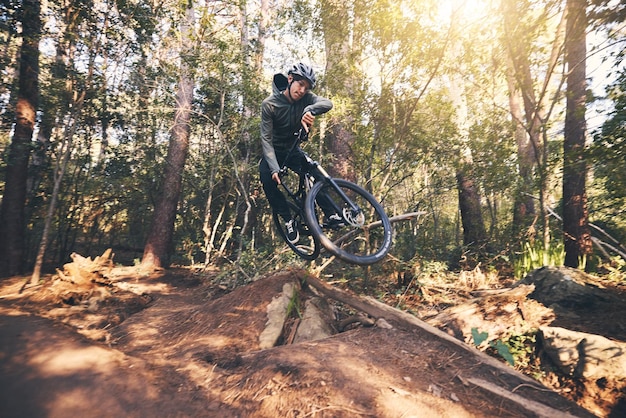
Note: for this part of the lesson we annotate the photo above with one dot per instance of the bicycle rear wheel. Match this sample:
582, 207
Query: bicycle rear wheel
308, 246
362, 236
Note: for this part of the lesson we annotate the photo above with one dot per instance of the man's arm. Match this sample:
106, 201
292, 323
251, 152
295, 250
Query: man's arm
317, 105
267, 127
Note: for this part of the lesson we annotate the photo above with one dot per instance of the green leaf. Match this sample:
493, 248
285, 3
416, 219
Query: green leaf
478, 337
503, 350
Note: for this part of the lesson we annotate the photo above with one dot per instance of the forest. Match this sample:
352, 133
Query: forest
135, 125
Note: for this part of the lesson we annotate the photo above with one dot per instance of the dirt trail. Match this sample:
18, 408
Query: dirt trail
194, 352
49, 370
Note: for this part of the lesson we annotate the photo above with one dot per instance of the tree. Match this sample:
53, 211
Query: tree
470, 206
422, 118
158, 248
74, 92
474, 232
576, 234
14, 199
521, 30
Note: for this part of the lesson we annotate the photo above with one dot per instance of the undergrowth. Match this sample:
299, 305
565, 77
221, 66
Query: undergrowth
534, 256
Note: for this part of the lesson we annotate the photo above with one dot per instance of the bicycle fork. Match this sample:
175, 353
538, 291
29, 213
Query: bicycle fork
353, 206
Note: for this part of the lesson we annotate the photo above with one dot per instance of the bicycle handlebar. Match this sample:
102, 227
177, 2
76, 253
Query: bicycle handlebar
302, 135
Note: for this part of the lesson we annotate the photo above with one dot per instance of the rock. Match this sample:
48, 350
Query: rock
565, 287
276, 316
316, 320
381, 323
580, 301
585, 355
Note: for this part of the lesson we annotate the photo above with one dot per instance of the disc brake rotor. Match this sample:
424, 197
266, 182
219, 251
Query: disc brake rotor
356, 219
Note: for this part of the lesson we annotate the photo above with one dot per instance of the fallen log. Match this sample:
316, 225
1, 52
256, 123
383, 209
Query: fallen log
499, 314
539, 408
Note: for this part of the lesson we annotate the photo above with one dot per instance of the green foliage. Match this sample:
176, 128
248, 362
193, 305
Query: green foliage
616, 268
608, 152
433, 267
517, 350
521, 348
294, 308
394, 86
534, 256
494, 153
503, 350
479, 337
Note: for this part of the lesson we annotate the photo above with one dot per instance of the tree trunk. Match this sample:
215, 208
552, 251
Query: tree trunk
474, 232
263, 31
67, 147
254, 60
73, 108
532, 149
158, 248
14, 199
59, 172
576, 234
524, 204
527, 129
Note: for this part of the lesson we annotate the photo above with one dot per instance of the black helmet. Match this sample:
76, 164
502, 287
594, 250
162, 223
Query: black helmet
304, 71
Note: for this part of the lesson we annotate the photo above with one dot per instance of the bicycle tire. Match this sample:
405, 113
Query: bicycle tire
362, 241
308, 247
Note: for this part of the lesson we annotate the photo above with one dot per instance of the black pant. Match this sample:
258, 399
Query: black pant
278, 202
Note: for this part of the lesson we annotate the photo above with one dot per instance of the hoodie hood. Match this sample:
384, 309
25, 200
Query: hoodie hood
280, 83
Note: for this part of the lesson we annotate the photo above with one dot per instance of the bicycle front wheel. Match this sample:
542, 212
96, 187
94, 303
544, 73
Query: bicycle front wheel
307, 246
360, 234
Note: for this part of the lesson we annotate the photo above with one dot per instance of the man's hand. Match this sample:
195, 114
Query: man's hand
307, 121
276, 178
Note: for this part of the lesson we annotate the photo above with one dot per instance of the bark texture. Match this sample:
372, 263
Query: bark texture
577, 237
14, 199
158, 248
474, 232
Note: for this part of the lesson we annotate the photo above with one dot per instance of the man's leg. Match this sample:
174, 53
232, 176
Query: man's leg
274, 196
278, 202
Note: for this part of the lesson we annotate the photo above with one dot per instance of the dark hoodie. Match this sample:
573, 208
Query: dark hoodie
280, 120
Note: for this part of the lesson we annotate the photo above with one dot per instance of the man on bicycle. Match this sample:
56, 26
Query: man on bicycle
291, 106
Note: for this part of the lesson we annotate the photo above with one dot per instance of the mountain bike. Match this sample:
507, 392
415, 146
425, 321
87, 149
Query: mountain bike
332, 214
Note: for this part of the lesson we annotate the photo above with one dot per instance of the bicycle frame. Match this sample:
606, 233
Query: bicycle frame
307, 174
330, 213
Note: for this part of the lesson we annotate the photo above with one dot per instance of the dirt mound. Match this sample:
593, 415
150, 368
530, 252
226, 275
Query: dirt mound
176, 344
